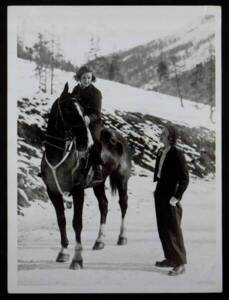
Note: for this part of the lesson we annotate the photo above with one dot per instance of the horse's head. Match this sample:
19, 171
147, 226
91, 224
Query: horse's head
71, 116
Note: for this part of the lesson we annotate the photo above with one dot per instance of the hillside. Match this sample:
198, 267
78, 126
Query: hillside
136, 113
189, 53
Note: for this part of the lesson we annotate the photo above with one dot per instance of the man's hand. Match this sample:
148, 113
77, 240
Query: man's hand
173, 201
87, 120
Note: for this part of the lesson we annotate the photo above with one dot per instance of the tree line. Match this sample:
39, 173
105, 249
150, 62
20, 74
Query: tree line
202, 76
107, 67
47, 57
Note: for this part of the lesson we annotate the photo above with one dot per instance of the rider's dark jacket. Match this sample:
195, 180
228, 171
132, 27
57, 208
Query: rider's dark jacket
90, 99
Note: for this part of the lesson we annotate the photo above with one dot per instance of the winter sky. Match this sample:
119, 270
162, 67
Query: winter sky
117, 27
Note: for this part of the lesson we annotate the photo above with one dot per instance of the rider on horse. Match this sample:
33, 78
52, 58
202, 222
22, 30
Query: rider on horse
90, 99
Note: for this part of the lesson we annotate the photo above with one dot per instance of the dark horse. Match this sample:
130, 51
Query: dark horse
67, 145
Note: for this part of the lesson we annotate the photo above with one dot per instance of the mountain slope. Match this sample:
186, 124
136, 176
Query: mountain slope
189, 53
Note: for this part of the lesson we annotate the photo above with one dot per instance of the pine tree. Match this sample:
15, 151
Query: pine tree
114, 69
162, 70
29, 53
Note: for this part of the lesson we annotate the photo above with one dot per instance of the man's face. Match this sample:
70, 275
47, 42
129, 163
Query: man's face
164, 136
86, 79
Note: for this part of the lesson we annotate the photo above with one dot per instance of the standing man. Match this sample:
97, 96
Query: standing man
171, 174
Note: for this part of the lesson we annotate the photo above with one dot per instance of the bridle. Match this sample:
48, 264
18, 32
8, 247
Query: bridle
67, 130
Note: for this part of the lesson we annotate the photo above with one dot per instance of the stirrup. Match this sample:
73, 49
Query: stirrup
93, 183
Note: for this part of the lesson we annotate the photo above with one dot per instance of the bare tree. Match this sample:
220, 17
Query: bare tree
94, 48
20, 47
197, 80
211, 80
51, 63
41, 58
176, 69
162, 67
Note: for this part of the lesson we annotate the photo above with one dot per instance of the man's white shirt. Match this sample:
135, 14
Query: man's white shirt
162, 159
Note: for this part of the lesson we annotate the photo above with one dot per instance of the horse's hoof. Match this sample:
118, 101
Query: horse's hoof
76, 265
122, 241
98, 245
63, 257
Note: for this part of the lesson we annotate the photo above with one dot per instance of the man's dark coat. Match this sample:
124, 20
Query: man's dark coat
173, 181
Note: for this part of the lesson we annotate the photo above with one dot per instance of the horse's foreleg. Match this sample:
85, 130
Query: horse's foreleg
78, 201
123, 202
58, 203
103, 204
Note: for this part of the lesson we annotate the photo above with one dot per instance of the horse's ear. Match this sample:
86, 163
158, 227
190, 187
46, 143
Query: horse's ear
65, 90
119, 148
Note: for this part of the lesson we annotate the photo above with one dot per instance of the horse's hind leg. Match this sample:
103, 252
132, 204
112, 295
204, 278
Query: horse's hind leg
103, 204
58, 203
78, 201
123, 202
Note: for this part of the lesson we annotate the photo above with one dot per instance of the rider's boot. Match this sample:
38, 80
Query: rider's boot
98, 176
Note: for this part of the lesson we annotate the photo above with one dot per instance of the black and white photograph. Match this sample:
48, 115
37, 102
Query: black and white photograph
114, 149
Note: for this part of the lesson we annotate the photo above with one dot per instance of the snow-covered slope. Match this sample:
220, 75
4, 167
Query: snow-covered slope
189, 47
117, 96
136, 113
192, 42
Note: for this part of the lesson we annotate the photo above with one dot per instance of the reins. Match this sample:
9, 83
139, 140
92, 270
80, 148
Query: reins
53, 145
55, 138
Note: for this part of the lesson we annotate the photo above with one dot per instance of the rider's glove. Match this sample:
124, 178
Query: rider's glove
87, 120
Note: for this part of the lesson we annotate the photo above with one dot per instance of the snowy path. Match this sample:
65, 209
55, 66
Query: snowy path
127, 268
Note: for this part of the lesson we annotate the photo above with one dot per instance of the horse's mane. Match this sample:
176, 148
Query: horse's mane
54, 122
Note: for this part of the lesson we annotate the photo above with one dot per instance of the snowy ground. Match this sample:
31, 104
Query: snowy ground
122, 269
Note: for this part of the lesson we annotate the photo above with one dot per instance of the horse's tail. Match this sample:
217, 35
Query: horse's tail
113, 183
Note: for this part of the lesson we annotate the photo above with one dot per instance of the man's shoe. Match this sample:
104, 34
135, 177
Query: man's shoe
164, 264
177, 270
